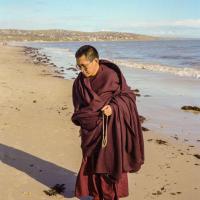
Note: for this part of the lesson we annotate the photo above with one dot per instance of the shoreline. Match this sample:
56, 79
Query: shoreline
173, 69
37, 137
37, 56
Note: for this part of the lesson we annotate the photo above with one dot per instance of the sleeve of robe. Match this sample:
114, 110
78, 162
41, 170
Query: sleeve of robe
124, 107
75, 99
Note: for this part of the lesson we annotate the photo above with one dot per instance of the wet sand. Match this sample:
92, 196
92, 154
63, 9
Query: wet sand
40, 147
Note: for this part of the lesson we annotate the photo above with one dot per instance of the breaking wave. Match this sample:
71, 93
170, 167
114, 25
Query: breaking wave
184, 72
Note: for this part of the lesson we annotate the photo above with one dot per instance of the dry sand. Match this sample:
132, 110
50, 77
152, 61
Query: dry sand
40, 147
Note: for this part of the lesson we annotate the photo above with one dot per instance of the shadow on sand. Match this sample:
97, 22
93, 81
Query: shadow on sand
41, 170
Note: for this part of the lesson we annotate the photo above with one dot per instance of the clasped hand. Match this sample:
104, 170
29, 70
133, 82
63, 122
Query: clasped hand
107, 110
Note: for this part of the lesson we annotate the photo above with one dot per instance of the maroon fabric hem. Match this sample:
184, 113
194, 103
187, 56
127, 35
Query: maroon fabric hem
82, 196
99, 184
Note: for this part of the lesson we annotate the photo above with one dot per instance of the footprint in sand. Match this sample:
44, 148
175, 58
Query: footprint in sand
161, 141
197, 155
157, 193
173, 193
17, 109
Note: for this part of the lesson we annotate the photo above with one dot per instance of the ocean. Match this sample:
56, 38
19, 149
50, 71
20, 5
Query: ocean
179, 57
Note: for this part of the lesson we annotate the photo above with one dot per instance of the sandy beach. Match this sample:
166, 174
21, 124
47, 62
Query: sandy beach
40, 147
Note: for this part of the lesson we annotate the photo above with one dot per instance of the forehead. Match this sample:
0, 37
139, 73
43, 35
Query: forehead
82, 60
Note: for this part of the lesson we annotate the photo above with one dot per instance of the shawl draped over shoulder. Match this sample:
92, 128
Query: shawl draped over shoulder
124, 151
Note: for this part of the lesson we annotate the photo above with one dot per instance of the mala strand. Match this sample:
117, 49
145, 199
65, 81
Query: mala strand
105, 132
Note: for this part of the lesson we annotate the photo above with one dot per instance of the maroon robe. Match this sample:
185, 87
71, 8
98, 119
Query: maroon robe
124, 151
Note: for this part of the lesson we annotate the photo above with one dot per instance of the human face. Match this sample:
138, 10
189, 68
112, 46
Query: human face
87, 67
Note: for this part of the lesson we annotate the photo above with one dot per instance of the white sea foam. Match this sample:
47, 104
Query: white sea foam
58, 51
185, 71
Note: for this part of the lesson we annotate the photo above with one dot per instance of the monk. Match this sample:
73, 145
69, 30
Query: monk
110, 130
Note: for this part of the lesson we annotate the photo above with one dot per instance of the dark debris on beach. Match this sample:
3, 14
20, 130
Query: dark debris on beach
159, 141
136, 92
145, 129
142, 118
40, 58
191, 108
56, 189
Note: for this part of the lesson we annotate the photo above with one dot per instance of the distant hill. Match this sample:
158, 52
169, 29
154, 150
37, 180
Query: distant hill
67, 35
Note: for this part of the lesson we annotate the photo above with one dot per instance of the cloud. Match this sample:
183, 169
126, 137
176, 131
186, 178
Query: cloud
195, 23
188, 23
175, 28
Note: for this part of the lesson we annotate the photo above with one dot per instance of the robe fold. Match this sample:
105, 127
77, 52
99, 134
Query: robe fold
124, 151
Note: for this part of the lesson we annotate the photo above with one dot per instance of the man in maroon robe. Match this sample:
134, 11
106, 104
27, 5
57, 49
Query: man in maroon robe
111, 135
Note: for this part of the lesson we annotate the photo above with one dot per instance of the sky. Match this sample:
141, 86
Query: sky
173, 18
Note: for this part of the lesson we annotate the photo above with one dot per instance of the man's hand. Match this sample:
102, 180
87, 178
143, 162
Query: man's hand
107, 110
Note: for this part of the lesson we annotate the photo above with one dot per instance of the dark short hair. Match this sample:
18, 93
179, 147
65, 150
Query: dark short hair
89, 51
